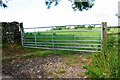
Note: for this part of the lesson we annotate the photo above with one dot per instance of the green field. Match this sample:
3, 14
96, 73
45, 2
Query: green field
74, 39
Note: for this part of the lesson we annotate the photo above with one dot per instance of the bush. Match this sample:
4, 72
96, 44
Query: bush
54, 33
108, 29
90, 27
82, 26
38, 33
59, 28
76, 27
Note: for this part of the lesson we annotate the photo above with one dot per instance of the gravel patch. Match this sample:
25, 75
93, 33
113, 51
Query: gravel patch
48, 67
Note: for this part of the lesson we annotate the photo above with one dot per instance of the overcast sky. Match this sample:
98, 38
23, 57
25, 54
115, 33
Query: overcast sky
34, 13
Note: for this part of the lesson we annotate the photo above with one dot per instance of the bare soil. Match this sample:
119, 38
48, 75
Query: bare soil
43, 67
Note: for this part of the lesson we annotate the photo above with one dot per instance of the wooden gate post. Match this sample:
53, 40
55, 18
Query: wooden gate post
22, 33
21, 26
0, 47
0, 35
104, 29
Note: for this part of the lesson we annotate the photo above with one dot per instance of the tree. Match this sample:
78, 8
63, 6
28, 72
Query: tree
2, 4
75, 4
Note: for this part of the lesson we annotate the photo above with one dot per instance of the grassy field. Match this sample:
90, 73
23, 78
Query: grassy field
74, 39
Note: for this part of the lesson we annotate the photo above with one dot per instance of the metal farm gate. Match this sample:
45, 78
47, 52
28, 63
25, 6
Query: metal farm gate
86, 38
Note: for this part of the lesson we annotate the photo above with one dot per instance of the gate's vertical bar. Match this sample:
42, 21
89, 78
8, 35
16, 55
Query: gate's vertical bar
52, 38
74, 38
101, 35
22, 33
35, 38
119, 14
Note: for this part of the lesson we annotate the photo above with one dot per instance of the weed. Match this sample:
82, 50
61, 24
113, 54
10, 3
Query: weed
62, 71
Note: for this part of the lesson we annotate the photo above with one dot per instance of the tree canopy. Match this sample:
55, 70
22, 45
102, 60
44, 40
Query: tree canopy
75, 4
3, 4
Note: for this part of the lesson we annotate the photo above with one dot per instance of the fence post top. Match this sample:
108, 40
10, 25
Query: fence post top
104, 22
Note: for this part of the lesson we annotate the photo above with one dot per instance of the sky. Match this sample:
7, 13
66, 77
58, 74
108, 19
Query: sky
34, 13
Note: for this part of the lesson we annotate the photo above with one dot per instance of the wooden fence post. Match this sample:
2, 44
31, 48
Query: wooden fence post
0, 35
1, 48
104, 29
21, 26
22, 33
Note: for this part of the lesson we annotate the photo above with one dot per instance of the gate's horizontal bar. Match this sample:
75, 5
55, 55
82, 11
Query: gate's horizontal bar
89, 47
37, 42
66, 42
37, 45
61, 46
28, 37
55, 36
96, 40
77, 47
44, 45
29, 44
76, 36
44, 36
87, 36
65, 49
84, 44
57, 43
90, 44
63, 26
88, 40
78, 30
76, 41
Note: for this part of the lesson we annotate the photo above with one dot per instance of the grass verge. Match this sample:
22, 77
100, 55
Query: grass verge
106, 63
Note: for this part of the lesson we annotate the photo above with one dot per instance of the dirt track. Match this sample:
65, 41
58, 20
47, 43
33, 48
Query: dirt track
49, 67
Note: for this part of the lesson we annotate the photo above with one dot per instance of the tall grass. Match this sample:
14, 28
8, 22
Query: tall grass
106, 63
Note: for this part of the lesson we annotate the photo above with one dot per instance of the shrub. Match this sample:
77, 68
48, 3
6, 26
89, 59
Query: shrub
60, 28
38, 33
108, 29
76, 27
90, 27
81, 26
54, 33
